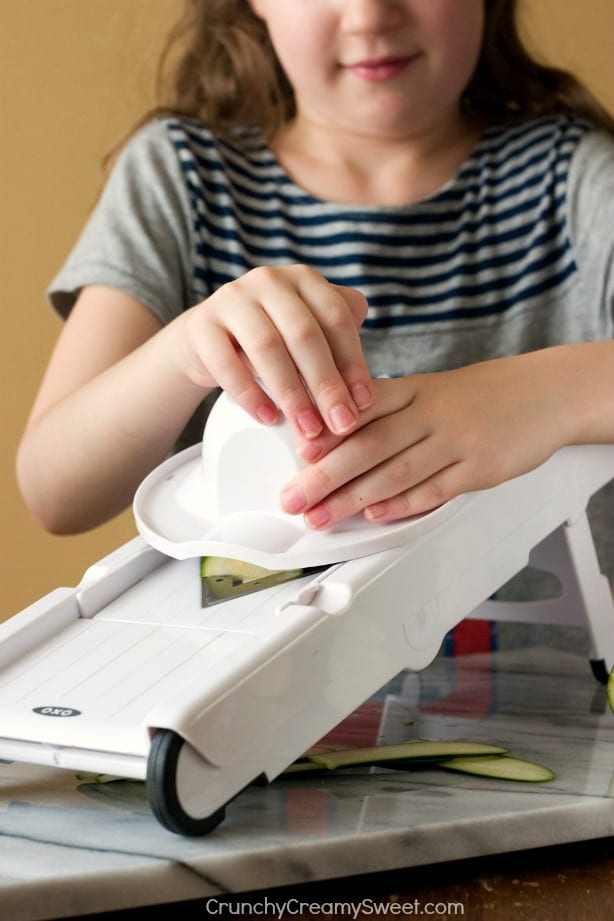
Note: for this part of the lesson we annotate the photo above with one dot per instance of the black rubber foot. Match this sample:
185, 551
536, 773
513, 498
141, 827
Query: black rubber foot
164, 754
600, 670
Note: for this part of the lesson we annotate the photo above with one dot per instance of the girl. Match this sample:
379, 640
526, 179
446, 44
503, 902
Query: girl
340, 190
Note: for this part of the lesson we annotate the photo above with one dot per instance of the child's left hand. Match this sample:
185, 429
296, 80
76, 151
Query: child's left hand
430, 437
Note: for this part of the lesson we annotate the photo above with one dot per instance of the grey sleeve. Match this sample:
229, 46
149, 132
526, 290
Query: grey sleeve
590, 198
138, 237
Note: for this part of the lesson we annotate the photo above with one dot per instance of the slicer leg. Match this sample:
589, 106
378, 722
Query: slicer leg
596, 596
586, 599
570, 554
162, 793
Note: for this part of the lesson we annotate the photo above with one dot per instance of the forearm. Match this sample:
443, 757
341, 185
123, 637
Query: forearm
583, 376
80, 462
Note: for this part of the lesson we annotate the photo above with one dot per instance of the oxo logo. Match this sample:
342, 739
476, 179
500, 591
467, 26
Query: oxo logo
56, 711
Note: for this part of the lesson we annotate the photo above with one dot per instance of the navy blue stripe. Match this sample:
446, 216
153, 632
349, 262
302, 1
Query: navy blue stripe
468, 226
482, 157
404, 260
477, 289
523, 172
503, 143
525, 175
459, 291
469, 290
511, 141
496, 307
484, 265
494, 138
401, 265
416, 214
504, 214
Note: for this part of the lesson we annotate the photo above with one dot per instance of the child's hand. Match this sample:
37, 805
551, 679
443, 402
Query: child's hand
430, 437
295, 331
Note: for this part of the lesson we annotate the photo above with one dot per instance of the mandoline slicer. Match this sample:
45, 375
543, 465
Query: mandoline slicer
128, 674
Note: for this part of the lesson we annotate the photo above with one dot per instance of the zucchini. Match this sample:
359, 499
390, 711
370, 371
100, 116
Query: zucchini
303, 767
224, 578
417, 750
98, 778
240, 570
500, 767
474, 758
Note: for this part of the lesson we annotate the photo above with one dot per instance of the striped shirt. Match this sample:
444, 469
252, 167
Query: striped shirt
494, 237
514, 253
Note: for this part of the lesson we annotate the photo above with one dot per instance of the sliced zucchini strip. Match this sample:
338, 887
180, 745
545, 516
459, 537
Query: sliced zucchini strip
501, 767
417, 750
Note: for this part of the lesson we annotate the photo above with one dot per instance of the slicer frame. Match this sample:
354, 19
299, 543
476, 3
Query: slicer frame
145, 686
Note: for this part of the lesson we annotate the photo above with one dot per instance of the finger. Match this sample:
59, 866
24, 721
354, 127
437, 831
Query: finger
364, 451
389, 397
424, 497
384, 488
320, 335
283, 343
356, 301
313, 449
377, 485
266, 353
223, 362
311, 368
339, 312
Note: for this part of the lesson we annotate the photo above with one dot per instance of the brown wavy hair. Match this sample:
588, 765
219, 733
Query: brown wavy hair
219, 66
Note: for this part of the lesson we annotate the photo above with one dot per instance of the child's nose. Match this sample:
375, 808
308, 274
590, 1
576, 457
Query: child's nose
366, 16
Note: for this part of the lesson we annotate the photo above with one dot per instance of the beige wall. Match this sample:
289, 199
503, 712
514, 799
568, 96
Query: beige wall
74, 74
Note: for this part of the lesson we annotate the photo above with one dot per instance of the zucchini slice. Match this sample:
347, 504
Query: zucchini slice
303, 767
223, 578
610, 690
500, 767
98, 778
238, 569
417, 750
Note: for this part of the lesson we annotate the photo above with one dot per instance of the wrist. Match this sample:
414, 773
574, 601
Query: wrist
583, 376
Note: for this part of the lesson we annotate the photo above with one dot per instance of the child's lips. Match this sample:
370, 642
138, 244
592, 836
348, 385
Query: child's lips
377, 69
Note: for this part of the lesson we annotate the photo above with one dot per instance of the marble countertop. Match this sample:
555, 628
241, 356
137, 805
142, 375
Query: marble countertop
70, 846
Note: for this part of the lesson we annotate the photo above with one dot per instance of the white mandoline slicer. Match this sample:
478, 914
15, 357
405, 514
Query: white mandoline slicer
128, 674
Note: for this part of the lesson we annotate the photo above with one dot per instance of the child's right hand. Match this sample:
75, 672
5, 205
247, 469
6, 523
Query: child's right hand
114, 368
295, 332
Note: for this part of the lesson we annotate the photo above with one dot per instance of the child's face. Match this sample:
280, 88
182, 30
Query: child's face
384, 68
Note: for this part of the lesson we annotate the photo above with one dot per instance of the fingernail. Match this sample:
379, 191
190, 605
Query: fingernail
266, 414
309, 451
361, 395
309, 423
292, 500
342, 418
318, 517
375, 511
